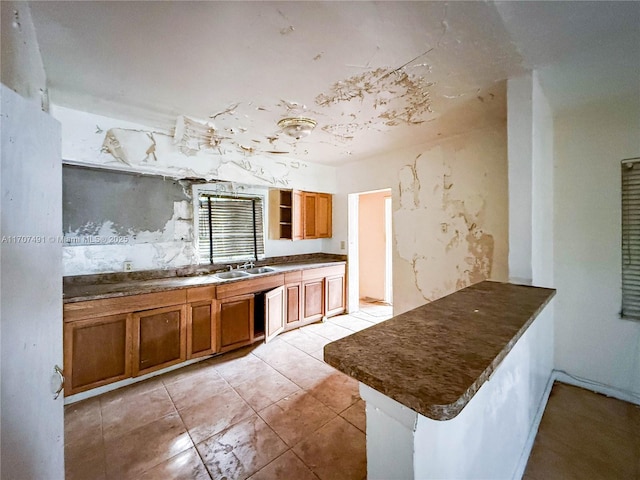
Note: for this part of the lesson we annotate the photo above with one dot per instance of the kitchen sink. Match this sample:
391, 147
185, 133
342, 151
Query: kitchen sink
259, 270
232, 274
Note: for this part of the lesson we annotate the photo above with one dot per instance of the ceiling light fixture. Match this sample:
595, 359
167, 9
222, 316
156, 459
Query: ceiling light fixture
297, 127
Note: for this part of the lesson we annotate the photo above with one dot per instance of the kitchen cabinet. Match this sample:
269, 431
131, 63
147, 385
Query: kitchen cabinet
96, 352
335, 295
323, 292
201, 326
310, 215
159, 338
274, 312
115, 338
312, 300
235, 322
297, 215
293, 299
323, 215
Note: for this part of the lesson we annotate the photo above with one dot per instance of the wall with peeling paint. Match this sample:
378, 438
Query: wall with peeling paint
112, 217
94, 140
591, 341
107, 197
450, 212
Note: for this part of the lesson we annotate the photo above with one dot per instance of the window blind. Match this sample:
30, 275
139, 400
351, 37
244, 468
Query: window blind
631, 239
230, 228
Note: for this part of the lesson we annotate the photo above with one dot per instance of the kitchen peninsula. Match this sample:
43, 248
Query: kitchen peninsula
453, 387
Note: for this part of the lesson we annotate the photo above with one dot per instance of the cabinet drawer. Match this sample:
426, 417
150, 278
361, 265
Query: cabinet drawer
322, 272
243, 287
293, 277
201, 294
116, 305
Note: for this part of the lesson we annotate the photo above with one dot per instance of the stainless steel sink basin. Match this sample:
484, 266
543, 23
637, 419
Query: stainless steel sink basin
232, 274
259, 270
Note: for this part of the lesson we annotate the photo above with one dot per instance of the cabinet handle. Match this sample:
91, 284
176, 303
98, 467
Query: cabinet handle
60, 378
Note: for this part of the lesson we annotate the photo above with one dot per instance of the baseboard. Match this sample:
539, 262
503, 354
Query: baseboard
597, 387
533, 431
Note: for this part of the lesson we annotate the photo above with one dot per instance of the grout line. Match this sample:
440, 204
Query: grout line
305, 464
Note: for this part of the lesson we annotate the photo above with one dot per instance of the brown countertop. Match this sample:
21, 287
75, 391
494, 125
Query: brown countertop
434, 358
94, 289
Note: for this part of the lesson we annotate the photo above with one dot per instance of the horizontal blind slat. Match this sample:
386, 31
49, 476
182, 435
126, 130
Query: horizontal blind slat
232, 222
630, 196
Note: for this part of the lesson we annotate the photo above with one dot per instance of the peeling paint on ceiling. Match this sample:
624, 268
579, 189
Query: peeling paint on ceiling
374, 85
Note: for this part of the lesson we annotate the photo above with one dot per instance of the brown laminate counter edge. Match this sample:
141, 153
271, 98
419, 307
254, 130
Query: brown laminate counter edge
78, 291
434, 358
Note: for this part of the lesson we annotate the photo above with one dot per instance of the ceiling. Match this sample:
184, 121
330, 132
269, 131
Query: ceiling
375, 76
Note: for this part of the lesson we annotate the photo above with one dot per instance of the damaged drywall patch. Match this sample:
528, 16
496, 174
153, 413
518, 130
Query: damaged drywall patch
450, 246
125, 203
111, 217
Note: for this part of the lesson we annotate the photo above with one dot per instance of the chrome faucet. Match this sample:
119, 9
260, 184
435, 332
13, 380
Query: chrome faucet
230, 267
247, 265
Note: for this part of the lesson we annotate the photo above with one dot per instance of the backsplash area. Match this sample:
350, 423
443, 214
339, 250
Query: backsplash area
192, 270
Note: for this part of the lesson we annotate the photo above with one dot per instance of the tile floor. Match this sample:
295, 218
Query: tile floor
274, 411
269, 411
584, 435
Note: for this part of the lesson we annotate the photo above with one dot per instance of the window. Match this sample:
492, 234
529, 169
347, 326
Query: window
631, 238
230, 228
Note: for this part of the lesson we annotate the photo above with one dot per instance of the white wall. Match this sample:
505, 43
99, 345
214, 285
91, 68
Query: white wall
530, 129
22, 68
450, 225
591, 341
542, 174
520, 128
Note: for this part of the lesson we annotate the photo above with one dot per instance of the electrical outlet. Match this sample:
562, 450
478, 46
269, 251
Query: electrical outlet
128, 266
343, 244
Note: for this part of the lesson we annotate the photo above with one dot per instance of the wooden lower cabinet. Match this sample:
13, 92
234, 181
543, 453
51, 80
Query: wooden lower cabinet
274, 312
97, 351
201, 331
335, 296
159, 338
109, 340
294, 304
312, 300
235, 322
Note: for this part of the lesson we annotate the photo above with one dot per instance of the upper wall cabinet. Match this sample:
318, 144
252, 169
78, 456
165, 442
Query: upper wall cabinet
296, 215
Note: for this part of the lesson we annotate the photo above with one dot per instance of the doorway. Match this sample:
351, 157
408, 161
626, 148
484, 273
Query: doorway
370, 251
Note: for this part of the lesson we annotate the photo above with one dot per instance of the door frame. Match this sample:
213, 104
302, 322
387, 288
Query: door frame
353, 248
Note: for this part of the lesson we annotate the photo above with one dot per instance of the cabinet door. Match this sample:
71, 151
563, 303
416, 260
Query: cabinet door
96, 352
323, 215
335, 295
310, 205
159, 338
274, 312
297, 215
294, 310
201, 332
235, 322
312, 300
